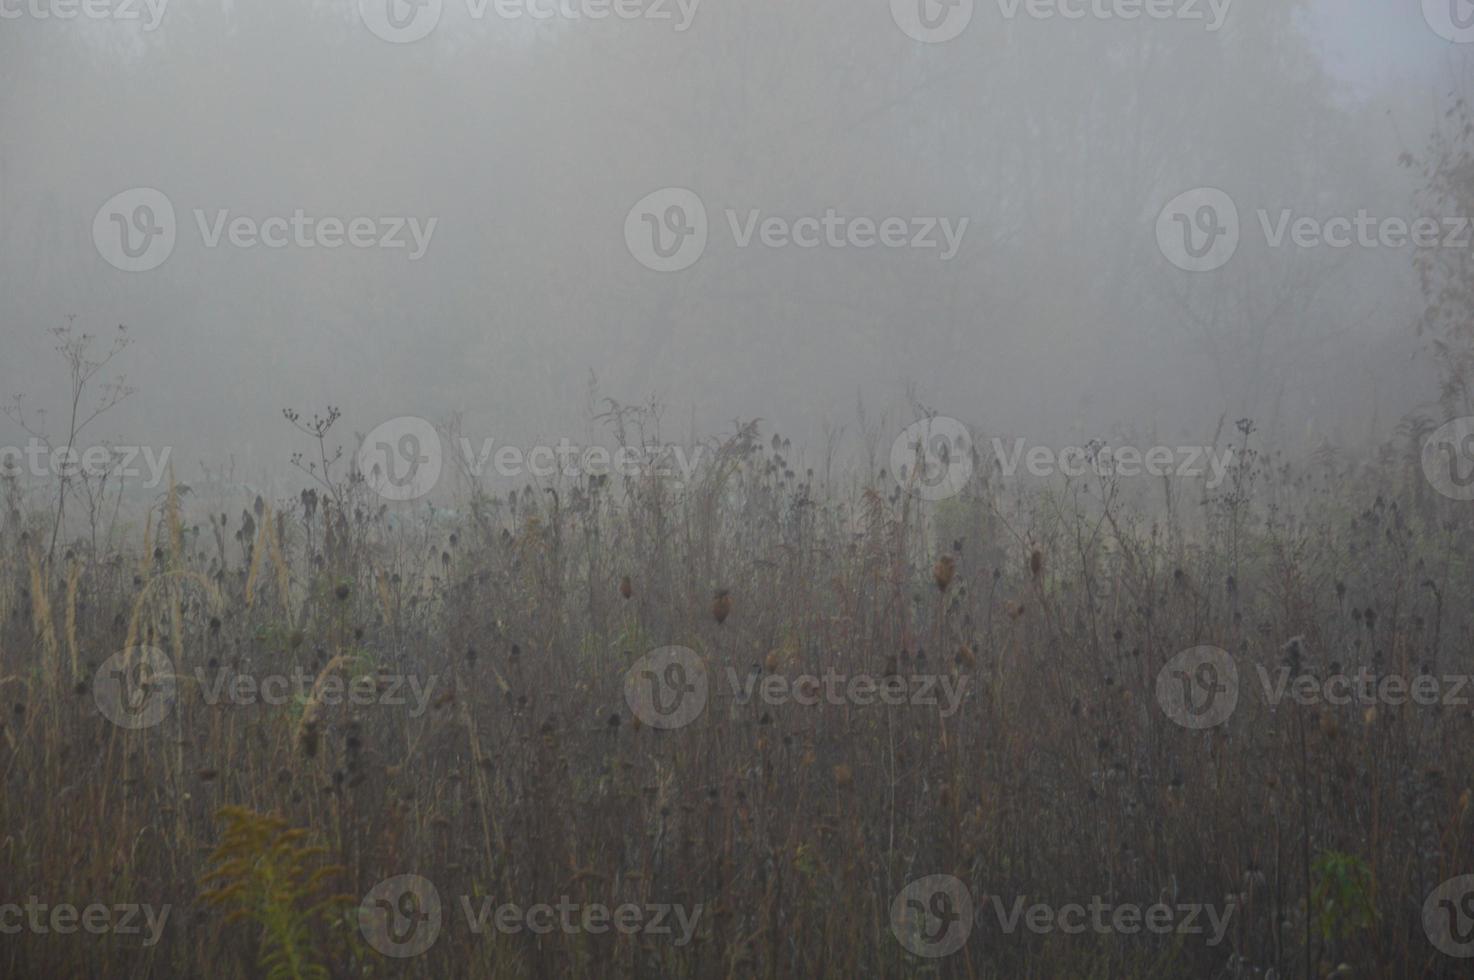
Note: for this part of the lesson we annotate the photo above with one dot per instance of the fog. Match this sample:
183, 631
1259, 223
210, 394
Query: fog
515, 147
736, 488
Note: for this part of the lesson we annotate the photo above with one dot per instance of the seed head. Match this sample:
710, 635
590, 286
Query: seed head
721, 606
943, 570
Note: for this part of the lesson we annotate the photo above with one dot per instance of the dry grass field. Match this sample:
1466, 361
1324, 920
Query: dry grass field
252, 722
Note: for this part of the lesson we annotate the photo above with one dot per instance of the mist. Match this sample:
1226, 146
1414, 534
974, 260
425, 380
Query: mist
518, 145
736, 488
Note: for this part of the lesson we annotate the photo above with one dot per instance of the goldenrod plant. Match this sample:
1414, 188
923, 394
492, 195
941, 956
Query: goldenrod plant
266, 874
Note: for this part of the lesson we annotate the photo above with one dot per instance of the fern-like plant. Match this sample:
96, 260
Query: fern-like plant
1343, 897
266, 873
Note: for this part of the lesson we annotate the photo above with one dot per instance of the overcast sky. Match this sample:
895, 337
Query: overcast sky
1373, 43
1059, 142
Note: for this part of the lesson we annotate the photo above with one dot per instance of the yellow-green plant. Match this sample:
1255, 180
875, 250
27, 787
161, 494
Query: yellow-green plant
264, 872
1343, 894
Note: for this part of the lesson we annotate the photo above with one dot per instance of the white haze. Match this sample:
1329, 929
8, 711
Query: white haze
528, 143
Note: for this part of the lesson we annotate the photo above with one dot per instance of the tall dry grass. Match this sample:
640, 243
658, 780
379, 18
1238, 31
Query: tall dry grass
793, 827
